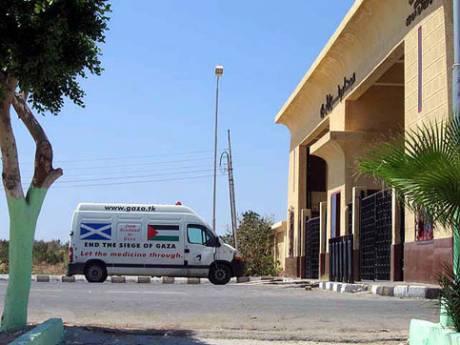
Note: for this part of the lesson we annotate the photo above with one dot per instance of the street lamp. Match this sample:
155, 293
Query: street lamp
218, 71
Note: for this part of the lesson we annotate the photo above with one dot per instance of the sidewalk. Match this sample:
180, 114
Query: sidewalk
383, 288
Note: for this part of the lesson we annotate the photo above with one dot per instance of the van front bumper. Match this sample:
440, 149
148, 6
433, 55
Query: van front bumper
75, 268
238, 268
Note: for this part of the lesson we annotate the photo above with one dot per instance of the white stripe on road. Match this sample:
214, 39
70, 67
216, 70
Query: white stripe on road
117, 292
46, 290
145, 292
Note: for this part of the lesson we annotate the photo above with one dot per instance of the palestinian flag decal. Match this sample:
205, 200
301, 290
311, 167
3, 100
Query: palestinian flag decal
169, 233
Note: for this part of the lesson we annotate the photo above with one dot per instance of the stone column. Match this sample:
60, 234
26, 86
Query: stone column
305, 215
356, 222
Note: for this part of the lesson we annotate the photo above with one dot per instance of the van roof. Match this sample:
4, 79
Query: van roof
142, 208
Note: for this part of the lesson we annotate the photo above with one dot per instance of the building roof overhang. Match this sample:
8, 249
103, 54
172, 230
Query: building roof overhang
338, 137
279, 226
285, 110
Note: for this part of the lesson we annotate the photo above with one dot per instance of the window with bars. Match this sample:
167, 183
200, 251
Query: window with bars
423, 226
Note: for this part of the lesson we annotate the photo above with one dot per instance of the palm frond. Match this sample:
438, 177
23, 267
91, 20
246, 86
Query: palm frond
423, 165
450, 294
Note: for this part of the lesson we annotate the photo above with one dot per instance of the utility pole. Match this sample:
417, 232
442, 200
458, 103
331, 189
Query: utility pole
231, 187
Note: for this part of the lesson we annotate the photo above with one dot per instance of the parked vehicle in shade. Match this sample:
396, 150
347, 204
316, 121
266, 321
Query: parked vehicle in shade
152, 240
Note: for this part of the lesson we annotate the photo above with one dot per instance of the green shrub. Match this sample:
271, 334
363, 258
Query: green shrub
4, 251
44, 252
255, 244
450, 295
50, 252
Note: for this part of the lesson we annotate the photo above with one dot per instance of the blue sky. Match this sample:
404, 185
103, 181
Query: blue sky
146, 133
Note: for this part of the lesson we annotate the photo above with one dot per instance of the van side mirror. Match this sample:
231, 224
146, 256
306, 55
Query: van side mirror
214, 242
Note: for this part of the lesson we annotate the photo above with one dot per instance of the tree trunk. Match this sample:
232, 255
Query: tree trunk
23, 215
23, 211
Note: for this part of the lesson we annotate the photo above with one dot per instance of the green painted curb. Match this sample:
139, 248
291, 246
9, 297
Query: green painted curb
50, 332
428, 333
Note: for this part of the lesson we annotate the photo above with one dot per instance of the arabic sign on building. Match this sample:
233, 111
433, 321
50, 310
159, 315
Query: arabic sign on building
331, 101
418, 7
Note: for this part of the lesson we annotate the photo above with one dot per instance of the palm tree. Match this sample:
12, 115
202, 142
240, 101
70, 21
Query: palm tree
423, 167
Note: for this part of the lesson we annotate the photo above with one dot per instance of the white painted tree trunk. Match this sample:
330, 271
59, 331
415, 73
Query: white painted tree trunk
23, 215
23, 210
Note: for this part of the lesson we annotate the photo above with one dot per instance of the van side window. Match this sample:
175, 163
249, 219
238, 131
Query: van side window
197, 234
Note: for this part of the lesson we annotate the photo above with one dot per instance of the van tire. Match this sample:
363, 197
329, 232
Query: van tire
220, 274
95, 272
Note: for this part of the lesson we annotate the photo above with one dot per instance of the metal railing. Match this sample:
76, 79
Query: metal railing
376, 236
312, 228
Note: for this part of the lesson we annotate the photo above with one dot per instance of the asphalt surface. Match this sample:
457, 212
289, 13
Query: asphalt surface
190, 314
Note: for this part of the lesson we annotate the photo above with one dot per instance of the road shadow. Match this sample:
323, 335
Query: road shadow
7, 337
92, 335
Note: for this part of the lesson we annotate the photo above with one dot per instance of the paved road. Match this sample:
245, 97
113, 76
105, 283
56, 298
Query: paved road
227, 312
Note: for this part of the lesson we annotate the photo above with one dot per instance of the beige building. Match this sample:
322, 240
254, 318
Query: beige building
387, 68
279, 245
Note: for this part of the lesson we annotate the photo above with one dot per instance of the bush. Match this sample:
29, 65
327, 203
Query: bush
3, 256
51, 253
254, 244
450, 295
44, 253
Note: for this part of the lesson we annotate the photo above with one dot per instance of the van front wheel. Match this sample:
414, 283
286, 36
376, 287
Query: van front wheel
219, 274
95, 272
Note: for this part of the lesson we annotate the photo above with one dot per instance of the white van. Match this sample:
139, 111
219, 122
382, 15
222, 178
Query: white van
153, 240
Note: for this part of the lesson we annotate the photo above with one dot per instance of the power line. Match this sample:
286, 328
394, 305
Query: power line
132, 176
138, 164
137, 182
69, 172
117, 158
130, 170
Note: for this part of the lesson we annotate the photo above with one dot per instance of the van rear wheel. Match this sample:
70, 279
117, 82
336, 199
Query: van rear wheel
95, 272
220, 274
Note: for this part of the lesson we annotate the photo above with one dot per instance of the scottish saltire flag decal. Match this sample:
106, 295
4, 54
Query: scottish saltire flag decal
168, 233
96, 231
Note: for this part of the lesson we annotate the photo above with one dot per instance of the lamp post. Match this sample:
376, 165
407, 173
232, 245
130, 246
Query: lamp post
218, 71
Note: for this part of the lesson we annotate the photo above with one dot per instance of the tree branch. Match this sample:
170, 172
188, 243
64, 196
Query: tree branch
11, 175
44, 174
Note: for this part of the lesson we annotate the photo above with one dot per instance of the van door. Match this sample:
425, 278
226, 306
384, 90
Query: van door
198, 254
165, 242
